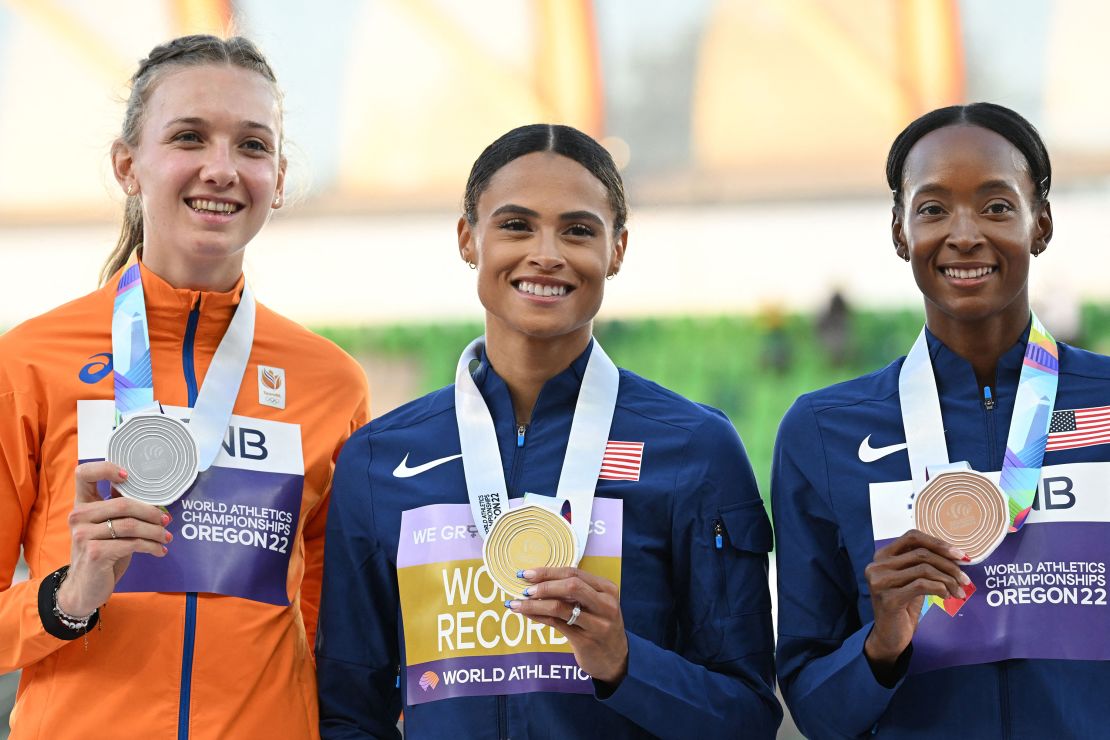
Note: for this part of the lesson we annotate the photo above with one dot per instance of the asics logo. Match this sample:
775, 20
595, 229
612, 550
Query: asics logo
95, 372
869, 454
404, 471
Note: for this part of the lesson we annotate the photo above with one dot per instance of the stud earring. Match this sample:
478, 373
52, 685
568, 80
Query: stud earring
130, 188
472, 265
277, 201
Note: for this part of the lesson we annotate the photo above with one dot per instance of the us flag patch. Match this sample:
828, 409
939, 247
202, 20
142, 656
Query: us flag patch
1079, 428
622, 461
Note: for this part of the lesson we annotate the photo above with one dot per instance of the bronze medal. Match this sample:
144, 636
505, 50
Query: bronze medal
965, 509
526, 537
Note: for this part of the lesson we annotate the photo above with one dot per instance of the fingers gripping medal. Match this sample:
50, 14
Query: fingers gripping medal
163, 455
534, 535
965, 509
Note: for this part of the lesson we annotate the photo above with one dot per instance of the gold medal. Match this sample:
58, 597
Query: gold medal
965, 509
530, 536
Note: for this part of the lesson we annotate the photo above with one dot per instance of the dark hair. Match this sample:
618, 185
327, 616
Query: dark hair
547, 137
1008, 124
185, 51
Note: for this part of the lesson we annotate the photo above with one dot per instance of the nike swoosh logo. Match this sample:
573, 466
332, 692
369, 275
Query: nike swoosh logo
404, 471
869, 454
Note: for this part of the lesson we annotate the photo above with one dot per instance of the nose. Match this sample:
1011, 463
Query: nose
219, 166
964, 234
546, 252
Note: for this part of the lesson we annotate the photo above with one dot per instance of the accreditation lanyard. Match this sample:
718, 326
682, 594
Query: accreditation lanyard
589, 434
1025, 443
134, 375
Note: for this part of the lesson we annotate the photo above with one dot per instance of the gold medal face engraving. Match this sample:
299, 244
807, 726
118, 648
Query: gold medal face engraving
527, 537
160, 457
965, 509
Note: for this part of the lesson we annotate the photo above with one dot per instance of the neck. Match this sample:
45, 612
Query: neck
981, 342
525, 363
215, 274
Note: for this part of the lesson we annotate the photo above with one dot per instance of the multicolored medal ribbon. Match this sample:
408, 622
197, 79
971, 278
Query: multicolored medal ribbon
534, 535
952, 501
163, 455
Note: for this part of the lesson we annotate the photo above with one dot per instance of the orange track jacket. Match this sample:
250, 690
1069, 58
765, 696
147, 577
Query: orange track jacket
160, 665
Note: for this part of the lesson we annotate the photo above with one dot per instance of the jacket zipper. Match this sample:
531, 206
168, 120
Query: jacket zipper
1003, 678
518, 459
189, 637
1004, 698
988, 406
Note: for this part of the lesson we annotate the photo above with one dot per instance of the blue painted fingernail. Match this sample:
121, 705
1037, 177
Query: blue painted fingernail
508, 604
520, 574
512, 604
527, 592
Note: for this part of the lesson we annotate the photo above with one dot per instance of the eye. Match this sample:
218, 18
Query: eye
187, 137
257, 145
998, 208
514, 224
579, 230
930, 209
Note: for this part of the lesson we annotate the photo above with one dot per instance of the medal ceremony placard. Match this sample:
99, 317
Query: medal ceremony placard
235, 529
460, 640
1038, 537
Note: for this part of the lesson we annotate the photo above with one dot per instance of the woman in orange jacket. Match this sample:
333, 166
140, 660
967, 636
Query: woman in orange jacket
193, 619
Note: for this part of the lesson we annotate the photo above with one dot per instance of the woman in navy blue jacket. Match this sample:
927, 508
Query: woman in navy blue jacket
1002, 651
412, 620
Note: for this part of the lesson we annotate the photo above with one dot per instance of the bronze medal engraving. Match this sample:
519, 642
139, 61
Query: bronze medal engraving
160, 457
965, 509
526, 537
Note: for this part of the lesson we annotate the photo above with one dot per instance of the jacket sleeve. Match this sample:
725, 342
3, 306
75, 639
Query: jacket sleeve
826, 679
719, 679
316, 523
357, 654
23, 638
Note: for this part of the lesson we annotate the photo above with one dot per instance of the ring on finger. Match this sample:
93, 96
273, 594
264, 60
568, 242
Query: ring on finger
112, 529
574, 614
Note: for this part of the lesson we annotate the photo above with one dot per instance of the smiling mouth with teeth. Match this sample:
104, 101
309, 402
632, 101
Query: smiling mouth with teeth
954, 272
211, 206
541, 290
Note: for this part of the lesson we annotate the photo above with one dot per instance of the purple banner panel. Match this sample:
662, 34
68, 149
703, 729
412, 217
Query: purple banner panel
233, 534
495, 675
433, 533
1041, 594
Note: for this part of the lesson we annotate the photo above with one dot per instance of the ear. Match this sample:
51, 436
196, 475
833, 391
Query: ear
1043, 229
620, 244
279, 191
897, 234
123, 167
467, 248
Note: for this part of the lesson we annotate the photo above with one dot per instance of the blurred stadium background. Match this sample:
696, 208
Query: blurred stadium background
752, 136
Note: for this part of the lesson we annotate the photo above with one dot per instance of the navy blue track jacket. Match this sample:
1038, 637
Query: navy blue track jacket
697, 616
824, 534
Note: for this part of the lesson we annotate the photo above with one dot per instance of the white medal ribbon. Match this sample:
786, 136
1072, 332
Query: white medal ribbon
589, 434
921, 418
211, 414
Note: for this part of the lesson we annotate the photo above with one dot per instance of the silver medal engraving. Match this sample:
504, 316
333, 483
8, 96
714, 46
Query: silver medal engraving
160, 457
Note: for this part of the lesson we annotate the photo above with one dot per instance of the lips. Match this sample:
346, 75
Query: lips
543, 287
207, 206
968, 273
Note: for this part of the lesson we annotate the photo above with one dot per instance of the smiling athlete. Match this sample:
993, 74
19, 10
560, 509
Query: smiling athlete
197, 620
552, 547
885, 629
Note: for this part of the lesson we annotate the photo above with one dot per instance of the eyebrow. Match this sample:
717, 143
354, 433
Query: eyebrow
568, 216
997, 184
197, 121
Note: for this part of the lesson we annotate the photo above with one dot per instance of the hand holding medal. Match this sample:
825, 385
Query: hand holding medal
104, 535
585, 609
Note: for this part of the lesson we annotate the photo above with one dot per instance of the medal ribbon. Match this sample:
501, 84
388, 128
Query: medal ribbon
134, 375
1025, 443
589, 433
